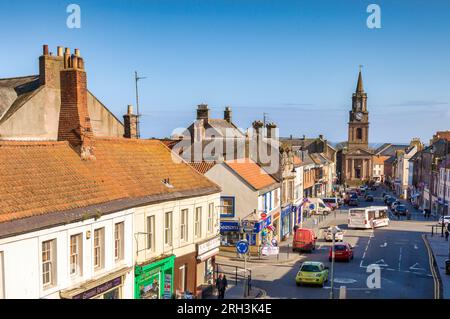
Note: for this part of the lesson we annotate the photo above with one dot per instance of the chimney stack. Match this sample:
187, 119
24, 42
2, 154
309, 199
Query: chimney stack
49, 68
227, 114
130, 123
74, 121
59, 51
271, 130
203, 112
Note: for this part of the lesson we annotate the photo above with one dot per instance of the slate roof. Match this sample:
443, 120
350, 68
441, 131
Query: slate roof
14, 92
44, 178
388, 149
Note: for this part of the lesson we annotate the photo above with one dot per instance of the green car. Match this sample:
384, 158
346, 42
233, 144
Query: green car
312, 272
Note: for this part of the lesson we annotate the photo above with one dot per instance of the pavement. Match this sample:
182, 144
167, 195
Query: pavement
398, 251
237, 292
440, 249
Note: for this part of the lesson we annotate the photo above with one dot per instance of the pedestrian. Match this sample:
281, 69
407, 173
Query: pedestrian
446, 233
221, 285
225, 285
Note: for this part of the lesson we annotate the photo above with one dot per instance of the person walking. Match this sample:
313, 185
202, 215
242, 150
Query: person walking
221, 285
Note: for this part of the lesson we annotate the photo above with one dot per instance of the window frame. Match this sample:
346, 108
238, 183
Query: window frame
119, 243
184, 221
233, 200
210, 218
79, 255
151, 232
168, 240
101, 248
51, 261
198, 222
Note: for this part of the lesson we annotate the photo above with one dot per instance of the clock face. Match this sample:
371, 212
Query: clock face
359, 116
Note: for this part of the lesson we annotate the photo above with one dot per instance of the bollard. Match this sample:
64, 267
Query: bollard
342, 292
288, 251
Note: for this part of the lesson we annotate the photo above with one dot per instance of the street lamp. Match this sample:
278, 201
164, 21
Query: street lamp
334, 231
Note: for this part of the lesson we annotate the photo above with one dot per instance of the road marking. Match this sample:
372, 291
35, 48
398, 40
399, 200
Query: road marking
384, 245
413, 267
345, 280
400, 258
381, 263
364, 255
415, 246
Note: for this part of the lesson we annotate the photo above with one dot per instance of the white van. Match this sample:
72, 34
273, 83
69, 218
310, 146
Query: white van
317, 206
332, 201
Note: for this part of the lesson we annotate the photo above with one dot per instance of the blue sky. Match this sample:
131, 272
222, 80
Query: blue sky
295, 60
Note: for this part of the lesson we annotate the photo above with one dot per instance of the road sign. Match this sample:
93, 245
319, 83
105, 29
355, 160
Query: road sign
242, 247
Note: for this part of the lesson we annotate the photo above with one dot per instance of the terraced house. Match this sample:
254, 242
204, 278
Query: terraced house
87, 213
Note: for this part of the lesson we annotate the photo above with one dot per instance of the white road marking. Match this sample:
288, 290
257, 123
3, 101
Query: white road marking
415, 246
413, 267
345, 280
384, 245
381, 263
400, 258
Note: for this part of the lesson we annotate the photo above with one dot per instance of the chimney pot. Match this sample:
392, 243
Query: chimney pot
60, 51
203, 112
130, 109
77, 52
45, 49
227, 114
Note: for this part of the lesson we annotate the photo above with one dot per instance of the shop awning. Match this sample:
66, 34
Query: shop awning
207, 255
94, 283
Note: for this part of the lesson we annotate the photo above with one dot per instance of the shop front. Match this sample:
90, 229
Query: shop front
185, 275
206, 261
287, 221
154, 280
263, 232
110, 286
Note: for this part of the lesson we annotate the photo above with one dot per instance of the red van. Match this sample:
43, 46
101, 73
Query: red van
304, 240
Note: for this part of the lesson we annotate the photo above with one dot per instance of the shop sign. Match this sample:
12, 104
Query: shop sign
100, 289
207, 246
229, 226
168, 286
262, 224
270, 250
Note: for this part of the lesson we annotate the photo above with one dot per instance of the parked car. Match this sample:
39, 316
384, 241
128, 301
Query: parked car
446, 220
343, 252
390, 201
369, 198
304, 240
395, 204
401, 210
328, 235
312, 272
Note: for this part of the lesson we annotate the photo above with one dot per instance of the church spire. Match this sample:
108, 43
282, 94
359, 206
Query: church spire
359, 86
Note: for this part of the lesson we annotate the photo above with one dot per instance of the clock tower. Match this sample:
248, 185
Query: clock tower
358, 125
356, 160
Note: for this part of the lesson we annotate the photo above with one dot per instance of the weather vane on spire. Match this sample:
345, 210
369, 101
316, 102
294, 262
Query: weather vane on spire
360, 67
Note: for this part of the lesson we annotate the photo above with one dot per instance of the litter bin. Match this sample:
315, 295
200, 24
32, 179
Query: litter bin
447, 266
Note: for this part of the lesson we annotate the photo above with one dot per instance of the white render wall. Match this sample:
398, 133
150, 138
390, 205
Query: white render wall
23, 265
178, 248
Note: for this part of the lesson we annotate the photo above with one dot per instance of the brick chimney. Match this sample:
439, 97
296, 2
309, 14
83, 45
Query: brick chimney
203, 112
74, 121
50, 67
130, 123
227, 114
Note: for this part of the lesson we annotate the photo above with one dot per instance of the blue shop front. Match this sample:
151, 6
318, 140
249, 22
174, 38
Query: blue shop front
230, 233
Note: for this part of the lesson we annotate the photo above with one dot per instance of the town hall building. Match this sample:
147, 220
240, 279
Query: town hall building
356, 157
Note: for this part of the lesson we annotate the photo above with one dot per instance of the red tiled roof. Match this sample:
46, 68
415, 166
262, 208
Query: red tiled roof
379, 160
202, 167
37, 178
251, 172
297, 160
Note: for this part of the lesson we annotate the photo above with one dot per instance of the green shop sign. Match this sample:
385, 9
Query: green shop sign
155, 280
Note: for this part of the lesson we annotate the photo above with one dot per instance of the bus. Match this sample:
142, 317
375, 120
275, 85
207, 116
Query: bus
368, 217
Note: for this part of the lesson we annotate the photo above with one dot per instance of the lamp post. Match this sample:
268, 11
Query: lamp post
334, 231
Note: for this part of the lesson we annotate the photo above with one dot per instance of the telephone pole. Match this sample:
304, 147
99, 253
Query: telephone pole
136, 79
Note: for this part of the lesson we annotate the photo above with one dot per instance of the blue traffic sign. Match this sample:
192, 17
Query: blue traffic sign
242, 247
